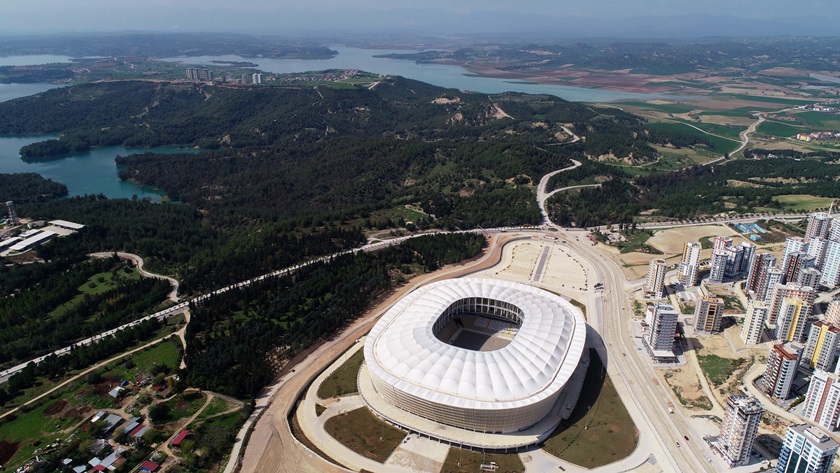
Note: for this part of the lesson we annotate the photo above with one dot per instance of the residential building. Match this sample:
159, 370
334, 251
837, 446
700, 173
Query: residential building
791, 322
748, 255
809, 277
831, 263
207, 75
806, 449
256, 78
796, 263
822, 403
660, 339
834, 231
687, 274
817, 248
717, 267
819, 224
774, 277
754, 322
832, 313
793, 245
708, 314
738, 429
782, 291
247, 78
757, 273
192, 73
782, 365
655, 285
822, 347
722, 242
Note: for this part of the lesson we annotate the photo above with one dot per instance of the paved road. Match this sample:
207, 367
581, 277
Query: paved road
629, 369
272, 446
138, 261
542, 195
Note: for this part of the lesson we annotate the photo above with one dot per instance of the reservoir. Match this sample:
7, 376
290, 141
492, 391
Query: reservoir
443, 75
95, 172
92, 172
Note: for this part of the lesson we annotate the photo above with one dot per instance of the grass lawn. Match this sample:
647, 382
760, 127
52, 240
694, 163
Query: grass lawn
97, 284
803, 201
182, 406
637, 242
20, 431
164, 353
471, 461
361, 431
343, 380
718, 370
216, 406
597, 435
732, 303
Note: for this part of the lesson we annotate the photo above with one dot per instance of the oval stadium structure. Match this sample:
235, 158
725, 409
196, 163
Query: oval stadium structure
482, 355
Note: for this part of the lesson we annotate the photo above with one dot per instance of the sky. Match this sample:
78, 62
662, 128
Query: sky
562, 18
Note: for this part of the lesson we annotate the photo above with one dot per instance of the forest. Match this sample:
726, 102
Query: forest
695, 191
238, 337
57, 311
29, 187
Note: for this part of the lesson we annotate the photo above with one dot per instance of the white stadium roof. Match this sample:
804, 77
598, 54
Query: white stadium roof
403, 351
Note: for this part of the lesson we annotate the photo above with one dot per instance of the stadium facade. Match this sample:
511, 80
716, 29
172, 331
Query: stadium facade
476, 355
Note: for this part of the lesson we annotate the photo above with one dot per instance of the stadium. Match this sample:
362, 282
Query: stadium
479, 362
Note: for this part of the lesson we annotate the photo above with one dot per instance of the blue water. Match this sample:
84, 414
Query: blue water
95, 172
92, 172
443, 75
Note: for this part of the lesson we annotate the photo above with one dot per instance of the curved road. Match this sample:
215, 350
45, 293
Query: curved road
138, 262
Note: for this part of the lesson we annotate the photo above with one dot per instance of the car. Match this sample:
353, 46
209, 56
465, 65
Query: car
685, 437
678, 444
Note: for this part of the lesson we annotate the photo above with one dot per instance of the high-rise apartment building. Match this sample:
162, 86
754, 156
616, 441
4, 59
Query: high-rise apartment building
790, 290
775, 276
809, 277
717, 267
831, 263
790, 325
738, 429
834, 230
832, 313
819, 224
708, 314
687, 272
806, 449
660, 339
655, 285
754, 322
822, 403
822, 347
757, 272
781, 370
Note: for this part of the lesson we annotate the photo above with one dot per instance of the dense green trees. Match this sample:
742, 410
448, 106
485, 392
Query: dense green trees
235, 337
29, 187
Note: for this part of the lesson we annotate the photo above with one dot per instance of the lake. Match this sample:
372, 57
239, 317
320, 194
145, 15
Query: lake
443, 75
93, 172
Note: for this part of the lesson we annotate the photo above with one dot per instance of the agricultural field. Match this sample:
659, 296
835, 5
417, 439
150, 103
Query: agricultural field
781, 130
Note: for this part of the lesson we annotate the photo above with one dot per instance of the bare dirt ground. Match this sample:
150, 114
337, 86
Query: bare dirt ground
685, 383
672, 240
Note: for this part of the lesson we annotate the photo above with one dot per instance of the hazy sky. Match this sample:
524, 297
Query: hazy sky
560, 17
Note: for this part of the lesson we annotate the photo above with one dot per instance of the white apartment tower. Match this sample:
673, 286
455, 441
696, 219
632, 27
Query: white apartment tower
822, 403
791, 322
768, 286
831, 262
822, 348
717, 268
660, 339
739, 428
754, 322
757, 272
655, 285
687, 274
